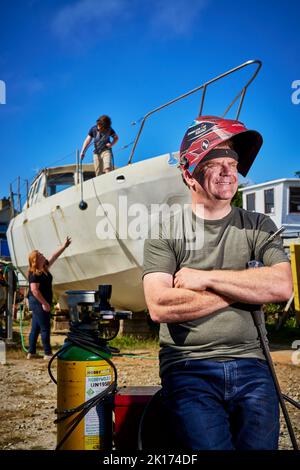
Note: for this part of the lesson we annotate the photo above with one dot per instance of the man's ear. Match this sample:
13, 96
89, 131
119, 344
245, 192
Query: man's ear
189, 180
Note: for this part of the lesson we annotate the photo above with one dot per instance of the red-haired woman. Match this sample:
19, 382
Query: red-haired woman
40, 298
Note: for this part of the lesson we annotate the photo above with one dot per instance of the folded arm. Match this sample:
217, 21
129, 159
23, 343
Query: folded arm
256, 286
169, 305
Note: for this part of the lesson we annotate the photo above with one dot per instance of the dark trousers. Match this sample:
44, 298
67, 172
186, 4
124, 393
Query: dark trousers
230, 405
40, 324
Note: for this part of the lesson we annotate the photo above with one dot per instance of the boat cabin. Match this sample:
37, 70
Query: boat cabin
51, 181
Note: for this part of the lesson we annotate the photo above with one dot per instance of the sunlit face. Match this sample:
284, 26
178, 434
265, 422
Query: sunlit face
218, 178
40, 260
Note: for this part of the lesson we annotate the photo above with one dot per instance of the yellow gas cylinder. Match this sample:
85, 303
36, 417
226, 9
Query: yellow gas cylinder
82, 375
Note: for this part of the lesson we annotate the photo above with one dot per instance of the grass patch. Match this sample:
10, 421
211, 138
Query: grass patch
127, 342
131, 342
287, 333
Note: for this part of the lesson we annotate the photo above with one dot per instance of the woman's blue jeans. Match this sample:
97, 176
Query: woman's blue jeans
40, 324
229, 405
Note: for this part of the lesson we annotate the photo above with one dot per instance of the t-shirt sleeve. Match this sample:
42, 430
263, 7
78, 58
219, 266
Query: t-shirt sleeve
34, 278
158, 257
112, 133
91, 132
272, 252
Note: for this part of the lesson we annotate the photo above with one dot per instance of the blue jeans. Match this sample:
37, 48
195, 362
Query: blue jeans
230, 405
40, 324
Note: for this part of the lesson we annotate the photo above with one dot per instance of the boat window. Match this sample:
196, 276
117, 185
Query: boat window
59, 182
250, 202
87, 175
38, 186
269, 201
31, 191
37, 193
295, 199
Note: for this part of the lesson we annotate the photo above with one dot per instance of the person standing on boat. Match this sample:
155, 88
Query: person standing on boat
216, 384
102, 134
40, 298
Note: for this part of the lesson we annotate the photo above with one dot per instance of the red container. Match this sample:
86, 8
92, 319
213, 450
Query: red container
130, 403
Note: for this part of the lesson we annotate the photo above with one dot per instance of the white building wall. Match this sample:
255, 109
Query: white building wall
281, 215
285, 203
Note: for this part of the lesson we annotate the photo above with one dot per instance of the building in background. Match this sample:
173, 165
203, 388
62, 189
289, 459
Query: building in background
280, 199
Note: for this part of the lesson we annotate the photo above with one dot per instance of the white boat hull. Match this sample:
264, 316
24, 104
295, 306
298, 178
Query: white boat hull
90, 261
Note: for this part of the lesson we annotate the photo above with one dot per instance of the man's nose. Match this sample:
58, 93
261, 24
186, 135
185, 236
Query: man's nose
226, 169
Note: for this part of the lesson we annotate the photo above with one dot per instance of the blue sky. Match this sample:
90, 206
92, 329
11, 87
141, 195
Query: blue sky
65, 63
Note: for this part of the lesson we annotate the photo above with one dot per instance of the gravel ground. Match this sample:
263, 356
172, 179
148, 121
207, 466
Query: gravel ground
27, 411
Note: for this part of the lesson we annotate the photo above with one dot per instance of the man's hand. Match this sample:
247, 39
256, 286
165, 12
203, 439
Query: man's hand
82, 155
253, 286
194, 279
108, 145
169, 305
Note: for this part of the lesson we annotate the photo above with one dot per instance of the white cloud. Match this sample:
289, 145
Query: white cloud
28, 85
176, 17
34, 85
87, 19
85, 22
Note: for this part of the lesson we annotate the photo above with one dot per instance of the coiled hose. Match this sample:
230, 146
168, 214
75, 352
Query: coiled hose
90, 341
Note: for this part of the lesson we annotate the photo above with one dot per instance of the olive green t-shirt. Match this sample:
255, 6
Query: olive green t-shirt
227, 243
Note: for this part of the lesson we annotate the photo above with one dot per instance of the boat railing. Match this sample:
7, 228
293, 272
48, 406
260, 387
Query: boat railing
204, 87
241, 95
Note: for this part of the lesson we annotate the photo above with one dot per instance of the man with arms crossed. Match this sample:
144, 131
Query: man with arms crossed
216, 385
